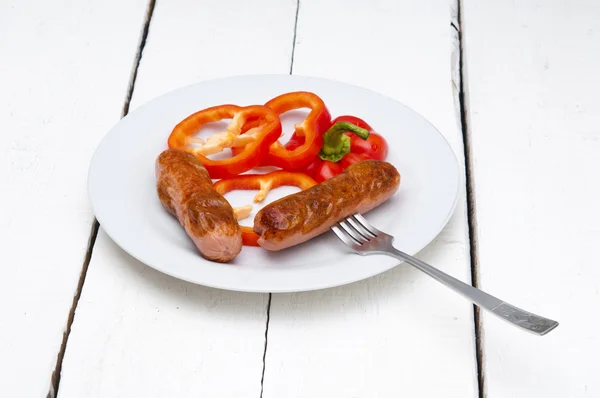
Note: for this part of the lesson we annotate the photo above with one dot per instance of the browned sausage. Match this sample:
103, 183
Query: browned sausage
299, 217
185, 190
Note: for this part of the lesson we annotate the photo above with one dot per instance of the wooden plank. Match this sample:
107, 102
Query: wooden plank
64, 71
534, 125
401, 333
138, 332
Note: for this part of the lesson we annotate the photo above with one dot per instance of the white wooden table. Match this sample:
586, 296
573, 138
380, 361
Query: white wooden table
514, 87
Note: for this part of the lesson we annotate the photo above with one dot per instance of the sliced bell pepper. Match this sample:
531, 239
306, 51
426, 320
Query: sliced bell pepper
307, 135
264, 183
252, 131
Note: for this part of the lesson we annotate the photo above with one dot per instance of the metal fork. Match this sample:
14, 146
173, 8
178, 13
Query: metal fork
356, 232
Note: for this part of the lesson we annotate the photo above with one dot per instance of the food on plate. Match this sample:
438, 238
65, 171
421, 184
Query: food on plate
185, 190
336, 141
302, 216
252, 131
264, 183
359, 143
311, 129
345, 155
374, 147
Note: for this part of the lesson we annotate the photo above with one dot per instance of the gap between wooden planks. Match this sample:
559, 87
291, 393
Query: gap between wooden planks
461, 105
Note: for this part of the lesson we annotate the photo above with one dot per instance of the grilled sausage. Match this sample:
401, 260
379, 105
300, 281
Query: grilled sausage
299, 217
185, 190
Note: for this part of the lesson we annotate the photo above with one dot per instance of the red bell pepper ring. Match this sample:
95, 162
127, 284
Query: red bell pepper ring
264, 183
307, 135
252, 131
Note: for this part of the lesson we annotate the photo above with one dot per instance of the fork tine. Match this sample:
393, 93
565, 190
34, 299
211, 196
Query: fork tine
365, 224
343, 237
350, 231
359, 228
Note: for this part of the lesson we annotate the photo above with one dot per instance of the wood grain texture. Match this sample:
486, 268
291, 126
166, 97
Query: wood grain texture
400, 333
138, 332
64, 71
534, 122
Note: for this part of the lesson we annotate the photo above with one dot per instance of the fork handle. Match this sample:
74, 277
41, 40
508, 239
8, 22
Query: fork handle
518, 317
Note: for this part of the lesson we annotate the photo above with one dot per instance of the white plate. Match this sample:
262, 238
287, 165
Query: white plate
123, 192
